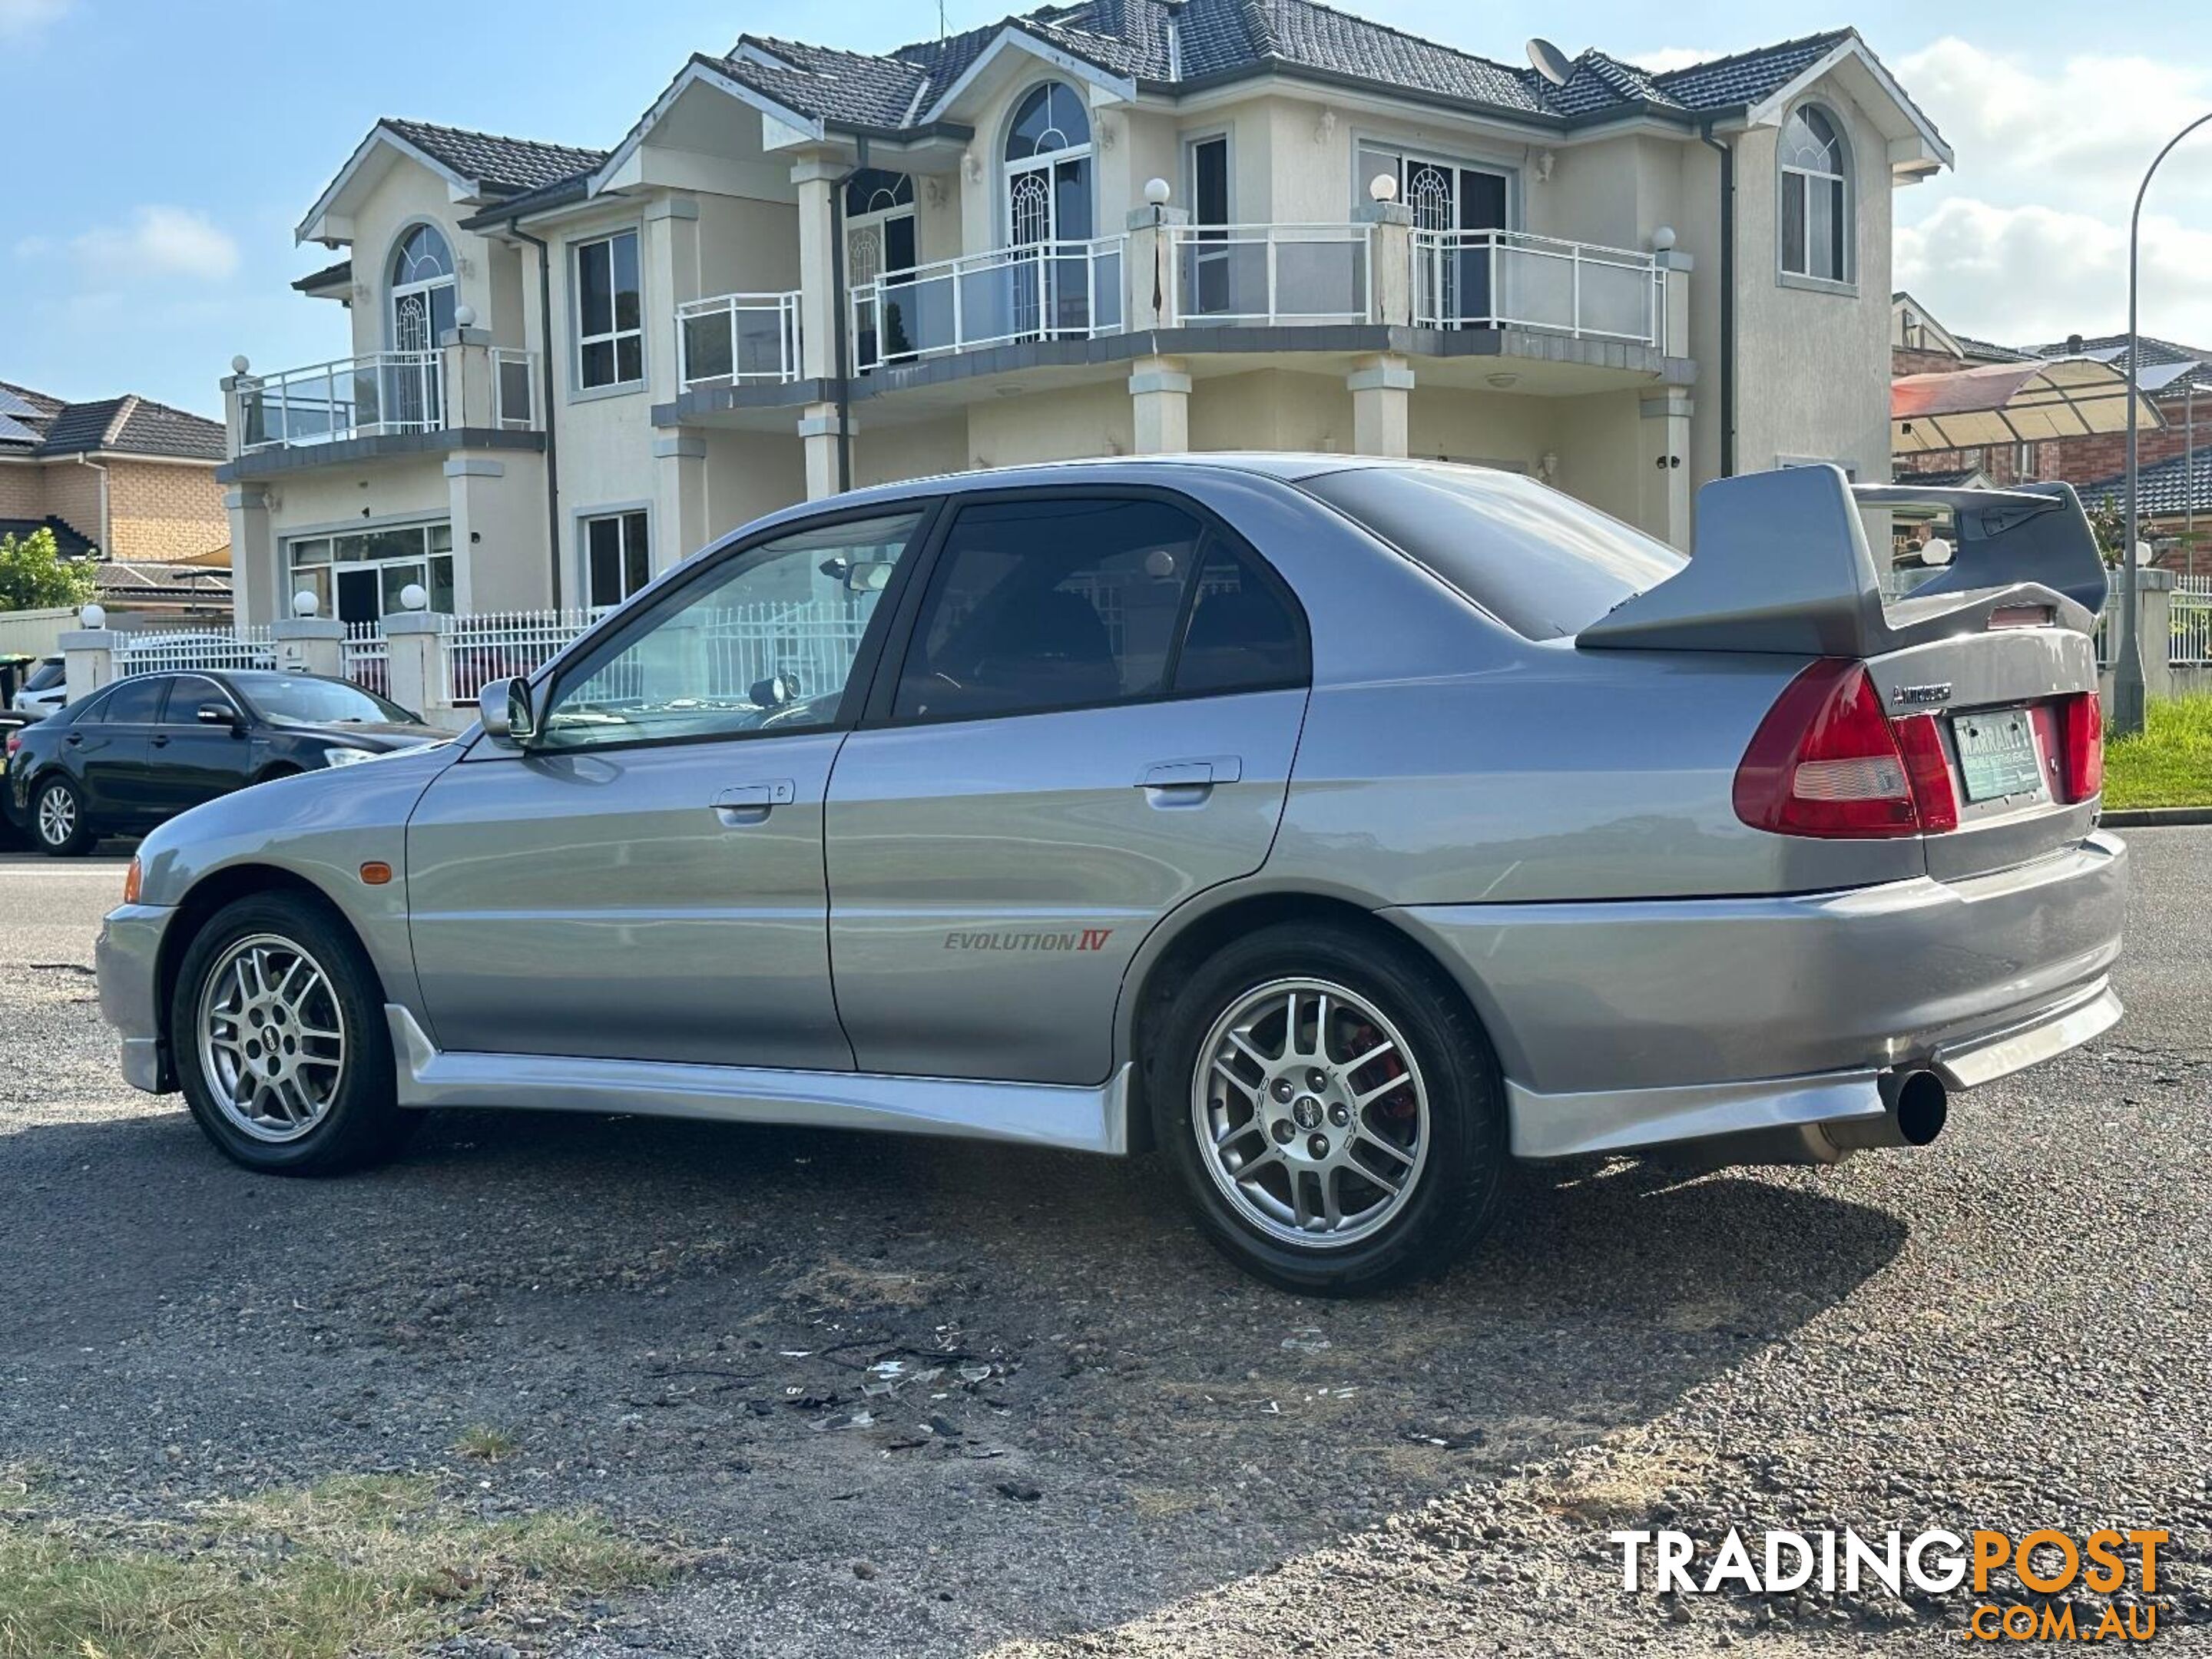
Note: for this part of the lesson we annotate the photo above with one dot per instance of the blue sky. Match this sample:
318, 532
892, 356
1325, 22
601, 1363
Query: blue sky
159, 151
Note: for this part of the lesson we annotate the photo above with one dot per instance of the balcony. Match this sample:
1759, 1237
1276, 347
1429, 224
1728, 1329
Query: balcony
738, 339
384, 394
1510, 279
1038, 291
1273, 274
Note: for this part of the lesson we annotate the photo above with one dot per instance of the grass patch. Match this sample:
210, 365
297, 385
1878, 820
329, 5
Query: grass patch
2169, 762
354, 1566
486, 1443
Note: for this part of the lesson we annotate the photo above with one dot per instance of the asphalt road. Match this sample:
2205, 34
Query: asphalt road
1086, 1434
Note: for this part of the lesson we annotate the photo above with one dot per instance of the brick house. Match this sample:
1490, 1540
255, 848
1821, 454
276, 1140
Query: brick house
120, 478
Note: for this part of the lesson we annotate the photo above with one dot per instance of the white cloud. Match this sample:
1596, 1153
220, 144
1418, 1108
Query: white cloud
23, 17
157, 242
2080, 134
2030, 275
1661, 59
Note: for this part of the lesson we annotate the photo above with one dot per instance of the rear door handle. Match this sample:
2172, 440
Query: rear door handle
1189, 778
160, 743
749, 803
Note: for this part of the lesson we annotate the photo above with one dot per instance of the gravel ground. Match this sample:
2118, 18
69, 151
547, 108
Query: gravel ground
1084, 1433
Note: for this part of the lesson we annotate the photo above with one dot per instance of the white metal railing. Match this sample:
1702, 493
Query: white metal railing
502, 644
2191, 625
748, 643
1261, 274
365, 658
384, 393
1037, 291
514, 389
1510, 279
732, 338
170, 650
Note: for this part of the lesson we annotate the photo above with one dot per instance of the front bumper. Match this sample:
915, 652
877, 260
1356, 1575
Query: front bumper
1630, 1025
128, 960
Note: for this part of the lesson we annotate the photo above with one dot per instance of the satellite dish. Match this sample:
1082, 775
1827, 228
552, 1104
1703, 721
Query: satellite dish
1551, 63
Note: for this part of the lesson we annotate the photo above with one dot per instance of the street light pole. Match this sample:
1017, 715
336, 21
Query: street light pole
2128, 672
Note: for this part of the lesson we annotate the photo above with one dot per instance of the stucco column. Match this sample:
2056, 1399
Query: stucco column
820, 305
253, 574
1382, 387
1664, 460
89, 657
1160, 396
1149, 267
1674, 268
493, 569
465, 367
416, 640
817, 437
2155, 628
310, 645
1391, 261
671, 276
679, 495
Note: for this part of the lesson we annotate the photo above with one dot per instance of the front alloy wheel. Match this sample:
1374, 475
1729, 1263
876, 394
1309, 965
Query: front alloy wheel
277, 1024
1331, 1105
58, 812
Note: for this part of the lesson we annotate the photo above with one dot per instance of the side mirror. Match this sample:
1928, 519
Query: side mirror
217, 713
509, 716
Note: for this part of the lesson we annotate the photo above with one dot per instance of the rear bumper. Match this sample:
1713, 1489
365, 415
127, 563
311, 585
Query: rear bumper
1625, 1024
127, 959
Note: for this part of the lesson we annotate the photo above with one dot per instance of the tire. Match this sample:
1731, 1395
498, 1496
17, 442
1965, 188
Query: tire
1445, 1115
280, 1096
58, 824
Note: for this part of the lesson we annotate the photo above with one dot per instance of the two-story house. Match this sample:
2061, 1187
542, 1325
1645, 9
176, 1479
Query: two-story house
1119, 226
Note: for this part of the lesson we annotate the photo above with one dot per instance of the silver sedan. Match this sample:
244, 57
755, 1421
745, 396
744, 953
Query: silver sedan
1339, 828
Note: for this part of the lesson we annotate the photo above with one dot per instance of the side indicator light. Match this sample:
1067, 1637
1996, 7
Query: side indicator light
130, 879
376, 873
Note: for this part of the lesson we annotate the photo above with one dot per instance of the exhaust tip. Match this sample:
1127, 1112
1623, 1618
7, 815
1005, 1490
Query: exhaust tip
1922, 1108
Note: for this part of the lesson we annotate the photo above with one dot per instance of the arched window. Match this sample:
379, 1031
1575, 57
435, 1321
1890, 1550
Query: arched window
1050, 120
1817, 219
1049, 168
421, 289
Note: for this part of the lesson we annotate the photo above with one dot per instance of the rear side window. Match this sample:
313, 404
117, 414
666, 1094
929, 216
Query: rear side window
1541, 561
1244, 636
48, 674
135, 702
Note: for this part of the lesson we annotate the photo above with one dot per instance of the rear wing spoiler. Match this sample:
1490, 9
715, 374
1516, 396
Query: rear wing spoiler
1781, 563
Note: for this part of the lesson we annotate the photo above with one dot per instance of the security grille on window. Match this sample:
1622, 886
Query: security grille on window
610, 312
620, 557
1816, 208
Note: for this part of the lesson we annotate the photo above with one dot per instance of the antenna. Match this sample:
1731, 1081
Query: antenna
1551, 63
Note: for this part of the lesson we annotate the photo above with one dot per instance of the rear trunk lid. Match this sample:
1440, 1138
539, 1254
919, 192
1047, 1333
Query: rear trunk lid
1994, 650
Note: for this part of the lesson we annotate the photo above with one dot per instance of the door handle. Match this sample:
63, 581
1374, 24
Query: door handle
1189, 781
76, 739
749, 803
160, 743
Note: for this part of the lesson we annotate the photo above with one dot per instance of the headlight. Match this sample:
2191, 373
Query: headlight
347, 756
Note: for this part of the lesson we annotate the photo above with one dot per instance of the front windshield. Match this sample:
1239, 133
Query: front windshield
299, 700
50, 672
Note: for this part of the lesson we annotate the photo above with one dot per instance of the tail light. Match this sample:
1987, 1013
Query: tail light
1828, 762
15, 742
2080, 746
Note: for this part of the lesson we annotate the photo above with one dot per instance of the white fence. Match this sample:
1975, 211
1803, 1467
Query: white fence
1510, 279
503, 645
167, 651
2191, 644
1035, 291
365, 657
1267, 274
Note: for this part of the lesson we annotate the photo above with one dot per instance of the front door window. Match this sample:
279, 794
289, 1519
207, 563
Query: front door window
422, 300
1453, 207
360, 576
880, 244
1047, 163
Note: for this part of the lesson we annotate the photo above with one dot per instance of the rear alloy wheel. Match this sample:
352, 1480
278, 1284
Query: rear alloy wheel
278, 1029
57, 819
1336, 1117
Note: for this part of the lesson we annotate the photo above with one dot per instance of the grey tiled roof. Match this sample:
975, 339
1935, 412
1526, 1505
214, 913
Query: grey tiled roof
502, 165
328, 276
2162, 488
1225, 38
128, 425
67, 542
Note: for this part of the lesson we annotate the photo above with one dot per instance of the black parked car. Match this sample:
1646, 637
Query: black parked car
147, 747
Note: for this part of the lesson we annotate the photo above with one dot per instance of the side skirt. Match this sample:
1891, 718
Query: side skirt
1033, 1114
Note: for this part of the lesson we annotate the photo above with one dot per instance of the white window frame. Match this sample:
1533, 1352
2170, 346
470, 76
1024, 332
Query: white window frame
1226, 138
288, 562
616, 335
1784, 173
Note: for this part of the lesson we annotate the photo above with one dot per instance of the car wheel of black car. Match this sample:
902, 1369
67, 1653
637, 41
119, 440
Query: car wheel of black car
277, 1026
1332, 1108
58, 820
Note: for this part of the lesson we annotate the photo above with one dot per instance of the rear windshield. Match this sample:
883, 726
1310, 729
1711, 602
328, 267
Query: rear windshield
1538, 560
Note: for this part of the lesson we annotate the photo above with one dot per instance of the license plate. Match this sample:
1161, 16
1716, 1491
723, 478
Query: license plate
1997, 753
